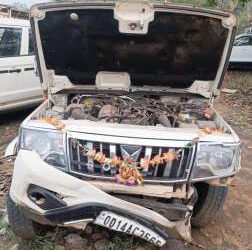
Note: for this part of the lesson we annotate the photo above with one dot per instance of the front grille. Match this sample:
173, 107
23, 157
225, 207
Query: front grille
175, 171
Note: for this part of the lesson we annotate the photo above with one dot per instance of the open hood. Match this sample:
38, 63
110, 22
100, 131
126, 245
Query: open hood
151, 47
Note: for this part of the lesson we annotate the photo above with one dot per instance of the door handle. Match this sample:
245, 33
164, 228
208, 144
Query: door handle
14, 70
28, 69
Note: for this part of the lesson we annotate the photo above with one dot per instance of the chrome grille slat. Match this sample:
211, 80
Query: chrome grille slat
168, 166
101, 150
148, 151
78, 155
112, 153
180, 163
176, 171
90, 162
156, 168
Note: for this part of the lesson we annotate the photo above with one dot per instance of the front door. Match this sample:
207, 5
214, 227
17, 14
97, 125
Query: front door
18, 82
10, 70
30, 82
242, 50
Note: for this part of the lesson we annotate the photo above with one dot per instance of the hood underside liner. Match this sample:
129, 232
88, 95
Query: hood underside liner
177, 50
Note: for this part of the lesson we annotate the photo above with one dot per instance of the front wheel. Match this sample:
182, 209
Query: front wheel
20, 224
210, 203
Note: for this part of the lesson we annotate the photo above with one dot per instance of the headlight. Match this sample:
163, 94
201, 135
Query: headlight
215, 160
49, 145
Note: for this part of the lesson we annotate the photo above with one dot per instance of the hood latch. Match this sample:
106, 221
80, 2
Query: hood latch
133, 17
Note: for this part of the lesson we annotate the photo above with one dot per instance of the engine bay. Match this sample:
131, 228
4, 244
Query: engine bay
166, 111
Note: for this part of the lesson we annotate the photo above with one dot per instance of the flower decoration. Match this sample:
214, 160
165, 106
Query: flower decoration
208, 113
54, 121
209, 130
129, 169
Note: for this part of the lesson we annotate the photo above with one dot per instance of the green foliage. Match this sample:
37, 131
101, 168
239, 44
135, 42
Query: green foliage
244, 11
207, 3
46, 242
243, 2
20, 6
211, 3
40, 243
121, 242
11, 238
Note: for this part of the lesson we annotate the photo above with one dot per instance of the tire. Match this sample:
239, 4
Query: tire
20, 224
210, 203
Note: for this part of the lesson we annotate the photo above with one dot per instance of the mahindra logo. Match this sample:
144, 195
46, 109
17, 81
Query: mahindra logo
130, 151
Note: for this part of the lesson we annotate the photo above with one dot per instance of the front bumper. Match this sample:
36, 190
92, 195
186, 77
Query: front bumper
81, 201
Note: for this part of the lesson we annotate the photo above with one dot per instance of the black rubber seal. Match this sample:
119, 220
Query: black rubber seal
32, 22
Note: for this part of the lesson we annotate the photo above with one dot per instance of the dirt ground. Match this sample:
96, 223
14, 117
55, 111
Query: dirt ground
233, 228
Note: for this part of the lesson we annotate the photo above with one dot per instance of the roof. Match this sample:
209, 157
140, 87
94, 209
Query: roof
14, 22
244, 34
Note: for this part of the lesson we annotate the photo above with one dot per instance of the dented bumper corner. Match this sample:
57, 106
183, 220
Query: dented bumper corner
69, 201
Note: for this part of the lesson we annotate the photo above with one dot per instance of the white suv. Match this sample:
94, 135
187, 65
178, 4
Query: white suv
19, 85
128, 138
241, 56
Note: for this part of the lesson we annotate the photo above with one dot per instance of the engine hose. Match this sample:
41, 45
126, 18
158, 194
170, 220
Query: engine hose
163, 119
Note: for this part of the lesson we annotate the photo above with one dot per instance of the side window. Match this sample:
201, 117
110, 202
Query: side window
10, 41
31, 47
242, 41
250, 42
248, 30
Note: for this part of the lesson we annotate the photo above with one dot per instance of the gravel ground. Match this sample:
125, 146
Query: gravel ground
232, 230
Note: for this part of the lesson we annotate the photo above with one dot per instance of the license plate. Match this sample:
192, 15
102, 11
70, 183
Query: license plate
125, 225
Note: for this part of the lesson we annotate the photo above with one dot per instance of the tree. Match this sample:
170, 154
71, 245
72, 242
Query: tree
20, 6
243, 2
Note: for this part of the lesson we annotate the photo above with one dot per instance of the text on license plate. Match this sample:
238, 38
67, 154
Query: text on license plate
125, 225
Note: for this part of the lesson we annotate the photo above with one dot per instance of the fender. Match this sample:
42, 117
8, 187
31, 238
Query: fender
11, 149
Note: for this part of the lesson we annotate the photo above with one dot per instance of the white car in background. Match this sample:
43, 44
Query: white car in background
19, 85
241, 56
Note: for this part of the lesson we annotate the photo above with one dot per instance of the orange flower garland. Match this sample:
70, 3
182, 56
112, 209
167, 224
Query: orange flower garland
128, 170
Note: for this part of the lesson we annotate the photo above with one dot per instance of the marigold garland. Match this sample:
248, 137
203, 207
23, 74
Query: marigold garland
53, 121
128, 169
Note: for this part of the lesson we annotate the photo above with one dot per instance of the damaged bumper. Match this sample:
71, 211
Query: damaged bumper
51, 196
